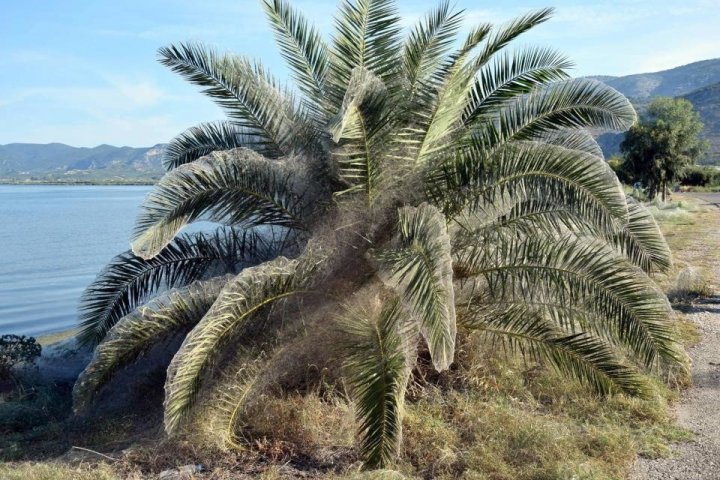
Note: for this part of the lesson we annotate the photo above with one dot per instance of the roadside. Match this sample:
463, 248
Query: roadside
696, 242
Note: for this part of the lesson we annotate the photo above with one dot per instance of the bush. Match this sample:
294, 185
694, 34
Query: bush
15, 350
700, 176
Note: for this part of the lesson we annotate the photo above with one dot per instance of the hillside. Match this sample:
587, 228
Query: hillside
698, 82
706, 101
57, 162
669, 83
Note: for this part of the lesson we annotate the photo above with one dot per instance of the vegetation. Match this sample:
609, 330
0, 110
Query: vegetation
412, 205
16, 350
701, 176
665, 142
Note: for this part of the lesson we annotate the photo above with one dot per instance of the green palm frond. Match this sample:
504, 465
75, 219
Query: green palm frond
642, 241
246, 91
575, 103
512, 75
360, 130
234, 187
633, 307
128, 280
521, 170
505, 34
428, 44
367, 37
420, 269
573, 139
251, 291
378, 371
579, 355
174, 312
206, 138
301, 46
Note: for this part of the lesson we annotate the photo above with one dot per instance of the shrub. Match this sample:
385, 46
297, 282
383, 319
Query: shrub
16, 350
700, 176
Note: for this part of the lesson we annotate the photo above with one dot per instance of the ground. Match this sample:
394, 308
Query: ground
697, 242
502, 421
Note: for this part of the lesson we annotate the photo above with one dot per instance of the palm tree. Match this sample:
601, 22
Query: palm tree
417, 188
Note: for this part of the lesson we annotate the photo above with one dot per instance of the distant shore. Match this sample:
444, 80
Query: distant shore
79, 182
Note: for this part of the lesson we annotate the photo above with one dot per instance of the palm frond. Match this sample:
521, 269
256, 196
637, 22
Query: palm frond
174, 312
378, 370
359, 129
246, 295
246, 91
521, 170
642, 241
420, 269
574, 103
234, 187
206, 138
505, 34
128, 280
428, 44
301, 46
635, 310
366, 36
572, 138
512, 75
579, 355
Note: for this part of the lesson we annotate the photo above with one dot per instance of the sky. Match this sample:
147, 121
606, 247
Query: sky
85, 73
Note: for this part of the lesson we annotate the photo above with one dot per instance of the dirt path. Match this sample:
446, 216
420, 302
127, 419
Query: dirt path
698, 244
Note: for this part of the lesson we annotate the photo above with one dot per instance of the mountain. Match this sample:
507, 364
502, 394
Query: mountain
706, 101
697, 82
667, 83
57, 162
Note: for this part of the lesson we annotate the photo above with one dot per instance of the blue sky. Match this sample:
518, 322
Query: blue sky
85, 72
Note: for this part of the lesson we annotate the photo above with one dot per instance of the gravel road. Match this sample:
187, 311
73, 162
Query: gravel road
699, 407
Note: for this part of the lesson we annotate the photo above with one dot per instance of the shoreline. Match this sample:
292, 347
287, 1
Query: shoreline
84, 183
51, 338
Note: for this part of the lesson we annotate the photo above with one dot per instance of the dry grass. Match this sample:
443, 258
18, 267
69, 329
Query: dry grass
492, 417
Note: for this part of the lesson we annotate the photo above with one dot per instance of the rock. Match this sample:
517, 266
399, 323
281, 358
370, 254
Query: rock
180, 473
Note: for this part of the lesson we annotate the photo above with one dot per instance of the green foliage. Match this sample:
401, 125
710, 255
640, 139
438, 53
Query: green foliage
665, 142
701, 176
458, 185
16, 350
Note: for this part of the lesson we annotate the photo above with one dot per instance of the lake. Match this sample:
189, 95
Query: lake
54, 239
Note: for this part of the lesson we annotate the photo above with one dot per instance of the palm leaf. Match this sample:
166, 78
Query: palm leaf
421, 270
642, 241
244, 296
359, 128
174, 312
301, 46
248, 93
428, 43
521, 170
367, 37
575, 103
236, 187
579, 356
635, 310
206, 138
378, 370
573, 139
128, 280
513, 75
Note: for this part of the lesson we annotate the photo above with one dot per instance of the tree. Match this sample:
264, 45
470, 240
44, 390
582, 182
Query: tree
663, 144
407, 192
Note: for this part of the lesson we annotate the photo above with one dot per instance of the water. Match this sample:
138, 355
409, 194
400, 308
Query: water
53, 241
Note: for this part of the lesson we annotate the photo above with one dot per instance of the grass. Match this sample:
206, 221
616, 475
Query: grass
491, 417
